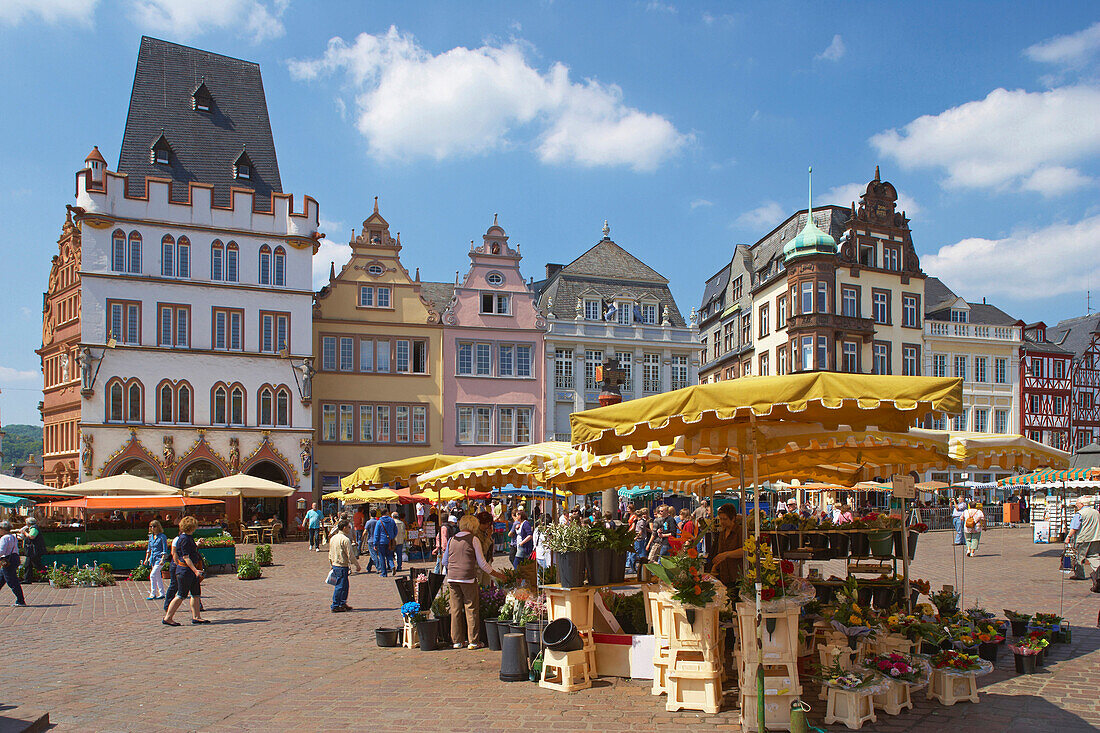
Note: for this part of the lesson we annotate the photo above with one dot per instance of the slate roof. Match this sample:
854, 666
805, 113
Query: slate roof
767, 253
716, 285
438, 293
938, 297
204, 144
1075, 334
1086, 457
607, 271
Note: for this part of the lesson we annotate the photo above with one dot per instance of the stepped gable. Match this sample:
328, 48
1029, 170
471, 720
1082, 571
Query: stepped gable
212, 113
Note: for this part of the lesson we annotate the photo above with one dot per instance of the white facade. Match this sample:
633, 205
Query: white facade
667, 354
160, 315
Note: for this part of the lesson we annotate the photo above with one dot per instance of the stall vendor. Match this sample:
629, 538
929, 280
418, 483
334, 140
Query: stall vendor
728, 549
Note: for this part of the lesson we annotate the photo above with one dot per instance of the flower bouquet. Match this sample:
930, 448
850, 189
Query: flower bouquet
898, 667
977, 613
1028, 652
777, 580
850, 618
946, 601
1018, 621
954, 661
848, 679
918, 527
684, 573
411, 612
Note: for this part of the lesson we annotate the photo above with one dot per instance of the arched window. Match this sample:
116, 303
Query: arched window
282, 408
133, 403
167, 256
165, 396
265, 265
135, 253
183, 404
280, 266
265, 406
114, 402
217, 261
118, 251
220, 408
236, 406
231, 262
183, 258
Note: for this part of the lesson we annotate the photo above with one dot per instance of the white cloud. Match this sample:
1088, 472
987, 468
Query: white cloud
7, 374
766, 216
466, 102
255, 20
328, 253
834, 51
654, 6
849, 192
1072, 50
700, 202
1001, 141
1046, 262
14, 12
1055, 180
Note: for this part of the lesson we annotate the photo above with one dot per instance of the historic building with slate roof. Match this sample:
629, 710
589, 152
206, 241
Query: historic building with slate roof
379, 343
606, 304
1046, 388
176, 330
1081, 337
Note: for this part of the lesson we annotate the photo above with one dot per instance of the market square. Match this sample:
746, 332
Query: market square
764, 396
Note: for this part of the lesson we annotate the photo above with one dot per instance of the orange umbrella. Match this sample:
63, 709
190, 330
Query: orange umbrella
112, 503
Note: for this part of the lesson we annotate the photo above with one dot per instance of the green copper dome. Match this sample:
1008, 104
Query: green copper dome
810, 241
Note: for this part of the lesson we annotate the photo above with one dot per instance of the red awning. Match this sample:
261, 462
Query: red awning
112, 503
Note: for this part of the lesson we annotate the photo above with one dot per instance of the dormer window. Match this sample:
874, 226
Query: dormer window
959, 316
242, 166
201, 99
160, 152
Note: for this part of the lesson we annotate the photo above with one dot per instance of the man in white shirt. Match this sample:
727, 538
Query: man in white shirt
398, 540
9, 553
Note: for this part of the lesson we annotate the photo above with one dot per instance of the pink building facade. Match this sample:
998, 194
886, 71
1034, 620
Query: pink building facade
493, 355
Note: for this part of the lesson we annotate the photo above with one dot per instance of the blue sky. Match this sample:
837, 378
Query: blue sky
689, 126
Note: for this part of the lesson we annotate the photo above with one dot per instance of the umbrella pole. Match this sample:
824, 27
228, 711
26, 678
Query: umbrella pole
760, 718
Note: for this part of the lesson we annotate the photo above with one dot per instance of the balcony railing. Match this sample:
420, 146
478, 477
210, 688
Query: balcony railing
563, 382
971, 330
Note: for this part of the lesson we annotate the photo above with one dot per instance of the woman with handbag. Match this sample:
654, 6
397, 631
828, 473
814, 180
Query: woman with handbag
189, 574
973, 522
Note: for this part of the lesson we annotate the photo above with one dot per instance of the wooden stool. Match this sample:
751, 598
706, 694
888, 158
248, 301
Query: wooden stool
565, 671
952, 688
895, 699
694, 691
777, 711
851, 707
409, 638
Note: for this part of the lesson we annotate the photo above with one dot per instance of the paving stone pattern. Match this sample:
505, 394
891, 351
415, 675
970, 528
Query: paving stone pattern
276, 659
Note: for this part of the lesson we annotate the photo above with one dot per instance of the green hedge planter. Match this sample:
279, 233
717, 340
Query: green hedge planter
130, 559
68, 536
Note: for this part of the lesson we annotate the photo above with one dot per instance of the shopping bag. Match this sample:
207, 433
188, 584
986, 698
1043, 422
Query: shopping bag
331, 579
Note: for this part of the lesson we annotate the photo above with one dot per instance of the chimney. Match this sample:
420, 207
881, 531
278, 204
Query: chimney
552, 269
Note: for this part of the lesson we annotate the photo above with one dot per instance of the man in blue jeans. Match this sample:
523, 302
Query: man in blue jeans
368, 540
313, 526
341, 556
385, 532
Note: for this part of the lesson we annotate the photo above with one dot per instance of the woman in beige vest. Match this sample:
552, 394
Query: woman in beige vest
464, 558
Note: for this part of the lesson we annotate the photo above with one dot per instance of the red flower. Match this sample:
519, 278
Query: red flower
767, 594
786, 566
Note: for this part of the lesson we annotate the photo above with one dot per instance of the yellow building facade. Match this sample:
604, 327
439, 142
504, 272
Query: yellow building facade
377, 339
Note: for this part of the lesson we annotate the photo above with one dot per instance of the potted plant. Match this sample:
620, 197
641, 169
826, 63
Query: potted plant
683, 573
881, 540
1055, 623
1026, 653
491, 601
141, 572
989, 645
621, 540
838, 538
263, 554
850, 617
568, 542
441, 610
248, 568
1018, 621
946, 601
600, 555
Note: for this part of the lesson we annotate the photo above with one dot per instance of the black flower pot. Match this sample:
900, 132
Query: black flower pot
988, 651
444, 625
883, 596
405, 590
860, 546
853, 642
492, 634
483, 631
927, 648
513, 659
818, 540
1025, 663
1041, 658
428, 631
562, 636
571, 566
517, 629
864, 596
599, 566
946, 644
533, 637
1019, 627
386, 637
618, 567
838, 543
913, 537
824, 592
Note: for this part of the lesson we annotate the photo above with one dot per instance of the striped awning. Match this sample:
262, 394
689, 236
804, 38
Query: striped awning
519, 466
1050, 475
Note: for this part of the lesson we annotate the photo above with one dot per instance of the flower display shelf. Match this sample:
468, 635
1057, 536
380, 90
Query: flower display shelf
777, 711
853, 708
409, 637
565, 671
890, 643
895, 698
950, 686
834, 654
780, 641
694, 691
575, 604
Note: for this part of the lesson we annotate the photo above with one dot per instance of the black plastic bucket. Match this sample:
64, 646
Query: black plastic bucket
562, 636
385, 637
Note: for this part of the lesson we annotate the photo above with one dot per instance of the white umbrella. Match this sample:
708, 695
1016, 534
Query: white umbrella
240, 484
121, 485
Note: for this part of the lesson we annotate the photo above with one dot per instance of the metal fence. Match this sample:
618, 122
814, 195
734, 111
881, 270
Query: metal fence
940, 517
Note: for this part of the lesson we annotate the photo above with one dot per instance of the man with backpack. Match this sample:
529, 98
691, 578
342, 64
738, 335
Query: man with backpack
385, 534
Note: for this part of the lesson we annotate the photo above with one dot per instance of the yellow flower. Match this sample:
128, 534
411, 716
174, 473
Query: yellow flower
853, 619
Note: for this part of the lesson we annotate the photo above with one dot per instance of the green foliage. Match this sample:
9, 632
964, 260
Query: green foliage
629, 611
569, 537
619, 538
441, 607
20, 441
263, 554
141, 572
248, 568
60, 576
93, 575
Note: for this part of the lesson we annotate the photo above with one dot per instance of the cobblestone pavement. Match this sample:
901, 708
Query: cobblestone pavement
275, 659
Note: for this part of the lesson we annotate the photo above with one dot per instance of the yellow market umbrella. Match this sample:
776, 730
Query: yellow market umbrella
1004, 450
519, 466
362, 496
442, 494
390, 472
827, 398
